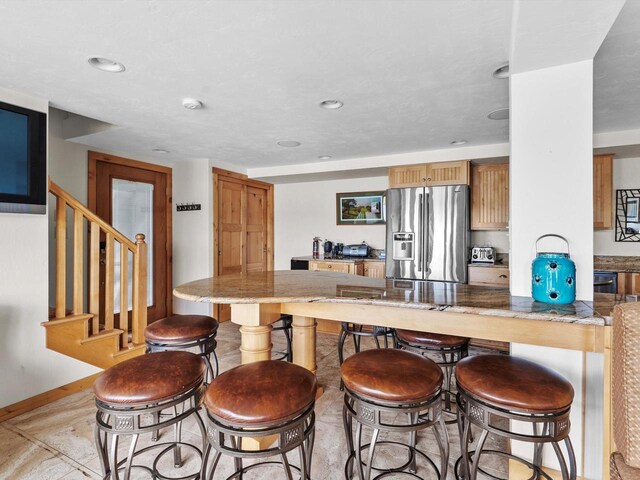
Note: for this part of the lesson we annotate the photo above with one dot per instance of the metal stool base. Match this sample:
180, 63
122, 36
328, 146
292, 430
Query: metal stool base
359, 411
122, 420
206, 347
548, 428
446, 358
297, 433
537, 471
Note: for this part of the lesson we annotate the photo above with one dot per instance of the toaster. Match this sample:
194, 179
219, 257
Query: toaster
359, 250
486, 255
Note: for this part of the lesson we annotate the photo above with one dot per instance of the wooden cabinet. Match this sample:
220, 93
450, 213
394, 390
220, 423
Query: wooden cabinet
374, 269
602, 192
354, 268
407, 176
430, 174
488, 276
490, 197
629, 283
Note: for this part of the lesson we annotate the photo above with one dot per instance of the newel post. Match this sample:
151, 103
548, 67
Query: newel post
139, 322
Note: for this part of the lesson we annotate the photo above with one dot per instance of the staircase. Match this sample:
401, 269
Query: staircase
86, 330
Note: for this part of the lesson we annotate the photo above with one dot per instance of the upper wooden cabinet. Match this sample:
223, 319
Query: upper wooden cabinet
490, 197
430, 174
602, 192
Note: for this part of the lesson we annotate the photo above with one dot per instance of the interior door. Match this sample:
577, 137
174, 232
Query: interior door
134, 200
242, 227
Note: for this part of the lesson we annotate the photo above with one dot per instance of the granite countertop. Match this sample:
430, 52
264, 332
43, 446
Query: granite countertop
301, 286
344, 259
603, 263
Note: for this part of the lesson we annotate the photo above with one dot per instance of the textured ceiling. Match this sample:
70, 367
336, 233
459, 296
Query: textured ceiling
414, 75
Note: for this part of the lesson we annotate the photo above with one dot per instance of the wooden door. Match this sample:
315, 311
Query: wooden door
256, 229
448, 173
374, 269
243, 227
490, 197
407, 176
603, 192
135, 197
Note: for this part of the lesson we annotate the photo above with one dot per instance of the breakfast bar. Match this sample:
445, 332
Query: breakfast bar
258, 300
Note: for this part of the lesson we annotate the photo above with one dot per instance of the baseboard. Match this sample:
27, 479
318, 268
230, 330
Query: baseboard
44, 398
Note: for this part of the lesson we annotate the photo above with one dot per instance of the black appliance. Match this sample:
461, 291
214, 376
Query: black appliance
299, 264
605, 282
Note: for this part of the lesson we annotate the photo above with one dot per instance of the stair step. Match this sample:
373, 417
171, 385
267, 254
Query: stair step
69, 319
102, 335
132, 350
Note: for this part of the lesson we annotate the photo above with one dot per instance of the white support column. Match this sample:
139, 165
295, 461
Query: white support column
551, 188
551, 172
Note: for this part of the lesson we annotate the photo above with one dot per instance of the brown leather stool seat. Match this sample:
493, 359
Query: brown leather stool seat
502, 388
150, 378
261, 393
130, 397
196, 333
431, 339
181, 328
259, 400
391, 376
514, 383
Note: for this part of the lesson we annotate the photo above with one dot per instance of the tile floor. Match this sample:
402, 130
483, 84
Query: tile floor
55, 442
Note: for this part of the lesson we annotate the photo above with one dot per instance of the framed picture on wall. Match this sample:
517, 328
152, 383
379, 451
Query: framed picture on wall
360, 208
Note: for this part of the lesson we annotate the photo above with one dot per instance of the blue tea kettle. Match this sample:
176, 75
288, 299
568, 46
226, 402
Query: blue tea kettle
553, 276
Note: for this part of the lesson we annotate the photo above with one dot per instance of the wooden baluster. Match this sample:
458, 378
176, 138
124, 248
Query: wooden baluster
61, 258
94, 276
124, 295
108, 283
139, 317
78, 263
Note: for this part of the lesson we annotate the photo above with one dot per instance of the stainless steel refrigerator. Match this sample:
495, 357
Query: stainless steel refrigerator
428, 233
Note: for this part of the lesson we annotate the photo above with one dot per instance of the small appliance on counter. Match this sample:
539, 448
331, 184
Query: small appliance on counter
328, 247
483, 255
361, 250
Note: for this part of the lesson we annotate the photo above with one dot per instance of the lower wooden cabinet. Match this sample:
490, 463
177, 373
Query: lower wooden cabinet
629, 283
374, 269
354, 268
489, 276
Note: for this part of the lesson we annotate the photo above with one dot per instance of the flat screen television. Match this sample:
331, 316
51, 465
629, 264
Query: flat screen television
23, 160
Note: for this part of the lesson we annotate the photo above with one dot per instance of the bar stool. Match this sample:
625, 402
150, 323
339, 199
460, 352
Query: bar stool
186, 332
128, 396
357, 332
445, 350
284, 324
495, 389
259, 400
379, 384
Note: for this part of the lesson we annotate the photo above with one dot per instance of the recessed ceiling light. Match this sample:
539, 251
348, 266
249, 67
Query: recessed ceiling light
160, 150
191, 103
502, 71
500, 114
458, 142
106, 65
331, 104
325, 157
288, 143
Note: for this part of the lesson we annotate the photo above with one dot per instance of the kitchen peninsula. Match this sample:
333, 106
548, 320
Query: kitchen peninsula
258, 299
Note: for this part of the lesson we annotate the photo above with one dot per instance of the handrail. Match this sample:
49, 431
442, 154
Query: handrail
89, 215
100, 307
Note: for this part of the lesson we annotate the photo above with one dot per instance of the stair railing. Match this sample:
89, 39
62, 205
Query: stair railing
98, 227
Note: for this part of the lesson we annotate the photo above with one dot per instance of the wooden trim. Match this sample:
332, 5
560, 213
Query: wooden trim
44, 398
127, 162
229, 173
569, 336
94, 158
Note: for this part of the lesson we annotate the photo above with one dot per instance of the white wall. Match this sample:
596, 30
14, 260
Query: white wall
626, 174
192, 231
28, 368
308, 209
495, 238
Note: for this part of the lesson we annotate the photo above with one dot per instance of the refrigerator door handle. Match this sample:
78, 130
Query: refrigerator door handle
426, 233
420, 230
